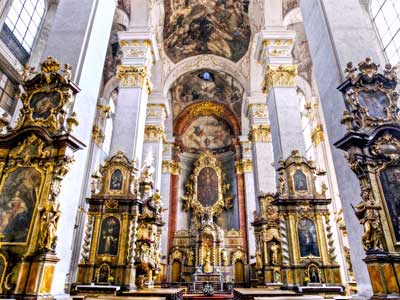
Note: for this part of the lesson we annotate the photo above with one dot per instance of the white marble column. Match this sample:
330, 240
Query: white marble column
274, 48
154, 136
246, 166
169, 167
77, 38
262, 149
139, 51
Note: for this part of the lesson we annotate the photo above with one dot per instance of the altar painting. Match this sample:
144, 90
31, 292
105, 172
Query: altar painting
109, 236
194, 27
207, 187
307, 238
207, 132
390, 181
18, 198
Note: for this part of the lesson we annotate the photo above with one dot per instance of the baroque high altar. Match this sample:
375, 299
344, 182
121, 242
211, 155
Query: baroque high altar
204, 162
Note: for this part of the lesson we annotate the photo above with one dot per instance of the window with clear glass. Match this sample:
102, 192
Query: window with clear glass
386, 17
7, 94
21, 27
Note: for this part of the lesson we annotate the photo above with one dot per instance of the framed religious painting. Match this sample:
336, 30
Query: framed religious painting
376, 102
207, 187
109, 237
307, 235
18, 202
300, 181
390, 185
43, 103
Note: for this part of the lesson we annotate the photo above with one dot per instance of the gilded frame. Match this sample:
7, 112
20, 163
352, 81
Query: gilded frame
298, 240
3, 275
190, 201
37, 204
108, 257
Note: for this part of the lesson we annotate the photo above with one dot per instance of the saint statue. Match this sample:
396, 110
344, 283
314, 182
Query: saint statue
207, 260
275, 253
259, 263
224, 258
49, 219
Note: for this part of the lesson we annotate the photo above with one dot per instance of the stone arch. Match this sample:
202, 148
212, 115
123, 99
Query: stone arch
211, 62
111, 85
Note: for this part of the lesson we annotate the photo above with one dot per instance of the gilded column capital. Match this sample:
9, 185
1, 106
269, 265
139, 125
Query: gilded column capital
171, 166
258, 110
260, 133
279, 76
156, 111
154, 133
134, 77
317, 135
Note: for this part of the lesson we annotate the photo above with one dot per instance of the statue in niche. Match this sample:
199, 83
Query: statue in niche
190, 258
109, 237
277, 276
300, 181
103, 274
275, 253
116, 180
207, 260
307, 238
207, 187
224, 258
314, 274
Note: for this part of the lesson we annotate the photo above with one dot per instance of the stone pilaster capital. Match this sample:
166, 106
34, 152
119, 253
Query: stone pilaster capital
154, 133
138, 48
244, 166
258, 113
260, 133
158, 100
275, 47
171, 166
246, 149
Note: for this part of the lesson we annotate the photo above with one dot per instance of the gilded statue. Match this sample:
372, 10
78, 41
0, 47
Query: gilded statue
49, 215
367, 213
259, 263
207, 260
190, 258
275, 253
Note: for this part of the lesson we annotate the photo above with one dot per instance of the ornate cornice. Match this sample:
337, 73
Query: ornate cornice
260, 133
134, 76
279, 76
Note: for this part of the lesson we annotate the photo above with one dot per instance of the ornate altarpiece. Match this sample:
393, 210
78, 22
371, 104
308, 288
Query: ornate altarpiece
34, 158
122, 238
294, 243
372, 145
205, 252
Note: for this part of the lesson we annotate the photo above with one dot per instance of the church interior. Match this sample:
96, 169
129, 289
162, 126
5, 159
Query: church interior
199, 149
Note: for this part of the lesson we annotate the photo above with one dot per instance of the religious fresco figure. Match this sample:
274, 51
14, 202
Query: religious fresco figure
307, 238
18, 198
206, 27
375, 102
109, 236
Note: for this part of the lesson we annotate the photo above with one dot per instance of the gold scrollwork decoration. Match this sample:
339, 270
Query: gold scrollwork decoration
154, 133
207, 108
317, 135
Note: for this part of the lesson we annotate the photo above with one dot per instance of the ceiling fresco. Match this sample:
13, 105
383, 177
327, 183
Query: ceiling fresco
194, 27
207, 132
301, 51
206, 85
288, 5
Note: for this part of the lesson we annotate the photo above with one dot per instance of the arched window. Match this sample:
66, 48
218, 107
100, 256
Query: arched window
386, 16
22, 25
